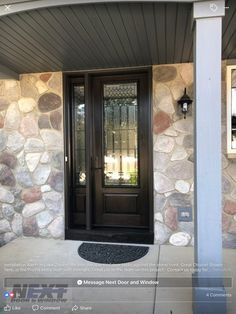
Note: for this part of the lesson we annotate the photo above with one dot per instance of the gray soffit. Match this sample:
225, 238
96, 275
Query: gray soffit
103, 35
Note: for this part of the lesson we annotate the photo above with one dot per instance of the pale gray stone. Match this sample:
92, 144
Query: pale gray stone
180, 239
6, 196
45, 158
41, 174
229, 240
32, 160
23, 177
3, 140
57, 160
164, 144
164, 73
160, 161
233, 194
4, 226
41, 87
180, 170
45, 188
53, 201
28, 89
182, 186
191, 157
31, 209
55, 82
53, 139
179, 199
8, 211
187, 227
26, 104
162, 183
158, 217
17, 224
188, 141
12, 118
226, 185
15, 141
44, 218
179, 153
56, 228
34, 145
171, 132
163, 99
177, 88
184, 125
186, 72
159, 202
9, 236
44, 233
231, 170
225, 162
162, 233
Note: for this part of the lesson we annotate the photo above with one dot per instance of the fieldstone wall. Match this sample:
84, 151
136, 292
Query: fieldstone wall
31, 157
173, 159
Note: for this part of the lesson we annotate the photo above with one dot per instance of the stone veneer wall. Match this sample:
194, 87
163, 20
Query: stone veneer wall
173, 159
31, 157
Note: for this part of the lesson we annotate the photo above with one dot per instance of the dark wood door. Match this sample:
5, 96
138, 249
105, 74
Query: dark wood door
120, 151
109, 179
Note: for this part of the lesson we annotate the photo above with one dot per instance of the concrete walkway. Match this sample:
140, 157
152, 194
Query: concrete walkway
59, 260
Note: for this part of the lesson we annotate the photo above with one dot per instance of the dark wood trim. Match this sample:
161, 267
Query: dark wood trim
95, 233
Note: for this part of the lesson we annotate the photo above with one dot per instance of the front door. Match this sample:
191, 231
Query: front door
109, 164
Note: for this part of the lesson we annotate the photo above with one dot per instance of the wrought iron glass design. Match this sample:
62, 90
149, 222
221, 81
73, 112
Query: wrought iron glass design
233, 108
120, 134
79, 131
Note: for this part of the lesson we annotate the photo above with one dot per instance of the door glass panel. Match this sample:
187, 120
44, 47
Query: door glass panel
79, 132
120, 134
233, 116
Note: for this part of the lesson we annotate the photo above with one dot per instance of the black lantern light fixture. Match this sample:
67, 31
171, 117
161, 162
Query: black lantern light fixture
184, 102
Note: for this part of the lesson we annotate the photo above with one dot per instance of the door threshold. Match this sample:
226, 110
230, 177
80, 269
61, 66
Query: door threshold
115, 235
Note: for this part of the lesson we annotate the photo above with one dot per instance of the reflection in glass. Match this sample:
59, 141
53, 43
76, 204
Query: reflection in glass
79, 131
233, 107
120, 134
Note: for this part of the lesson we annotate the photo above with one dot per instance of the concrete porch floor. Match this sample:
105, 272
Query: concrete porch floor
47, 258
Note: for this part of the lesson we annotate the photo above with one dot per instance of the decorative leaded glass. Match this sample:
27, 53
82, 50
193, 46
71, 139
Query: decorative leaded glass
79, 131
120, 134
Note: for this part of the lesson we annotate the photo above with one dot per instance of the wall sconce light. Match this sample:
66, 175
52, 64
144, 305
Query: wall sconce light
184, 102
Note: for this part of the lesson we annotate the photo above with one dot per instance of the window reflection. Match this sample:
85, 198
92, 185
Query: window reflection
120, 134
79, 131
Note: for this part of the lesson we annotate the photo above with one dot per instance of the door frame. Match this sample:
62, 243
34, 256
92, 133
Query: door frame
89, 233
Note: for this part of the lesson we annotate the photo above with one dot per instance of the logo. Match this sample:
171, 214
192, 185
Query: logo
7, 294
38, 293
7, 308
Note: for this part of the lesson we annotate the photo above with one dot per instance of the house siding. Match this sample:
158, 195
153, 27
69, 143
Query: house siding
32, 158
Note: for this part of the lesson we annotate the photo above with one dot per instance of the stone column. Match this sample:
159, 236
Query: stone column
208, 235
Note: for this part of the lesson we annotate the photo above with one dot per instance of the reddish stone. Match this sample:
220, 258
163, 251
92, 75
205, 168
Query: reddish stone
31, 195
8, 160
45, 77
226, 222
1, 122
171, 218
230, 208
30, 227
48, 102
29, 126
55, 118
162, 121
6, 176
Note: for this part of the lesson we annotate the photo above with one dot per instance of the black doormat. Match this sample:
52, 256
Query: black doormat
111, 253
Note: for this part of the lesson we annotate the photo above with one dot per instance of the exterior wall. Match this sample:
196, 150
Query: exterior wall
173, 159
31, 157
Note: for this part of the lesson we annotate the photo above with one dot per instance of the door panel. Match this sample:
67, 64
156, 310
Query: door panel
120, 150
109, 144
